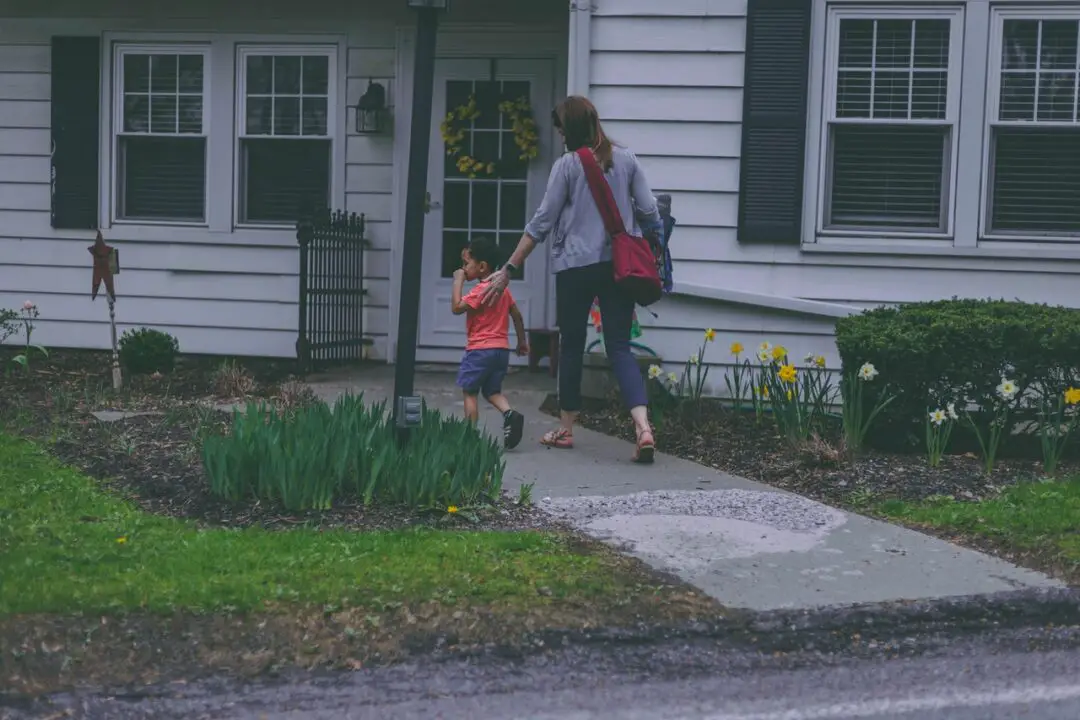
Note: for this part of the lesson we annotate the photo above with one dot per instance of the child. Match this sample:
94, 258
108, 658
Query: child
487, 350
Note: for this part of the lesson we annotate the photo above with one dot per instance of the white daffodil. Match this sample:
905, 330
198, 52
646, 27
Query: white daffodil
809, 359
764, 355
938, 416
868, 372
765, 346
951, 408
655, 371
1007, 389
673, 378
694, 359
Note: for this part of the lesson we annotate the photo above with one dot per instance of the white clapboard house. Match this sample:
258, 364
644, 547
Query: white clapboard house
821, 156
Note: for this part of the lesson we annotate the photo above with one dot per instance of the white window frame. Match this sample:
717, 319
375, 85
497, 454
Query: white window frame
220, 94
819, 153
333, 122
115, 127
998, 16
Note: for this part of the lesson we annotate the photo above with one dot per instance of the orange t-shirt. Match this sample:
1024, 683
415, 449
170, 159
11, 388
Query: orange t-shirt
488, 327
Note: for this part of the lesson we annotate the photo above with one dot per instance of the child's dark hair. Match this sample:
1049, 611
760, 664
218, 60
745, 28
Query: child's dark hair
484, 249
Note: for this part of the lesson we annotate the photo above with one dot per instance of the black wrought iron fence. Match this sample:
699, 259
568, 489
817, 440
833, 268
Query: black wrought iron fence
331, 326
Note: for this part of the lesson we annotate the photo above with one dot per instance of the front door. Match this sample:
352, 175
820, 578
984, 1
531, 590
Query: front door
464, 205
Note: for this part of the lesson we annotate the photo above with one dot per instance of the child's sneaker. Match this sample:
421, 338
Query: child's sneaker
513, 428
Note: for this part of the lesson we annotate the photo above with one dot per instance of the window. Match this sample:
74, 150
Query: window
160, 134
891, 109
1034, 158
285, 121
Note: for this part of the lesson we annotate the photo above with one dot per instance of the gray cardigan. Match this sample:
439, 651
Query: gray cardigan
569, 216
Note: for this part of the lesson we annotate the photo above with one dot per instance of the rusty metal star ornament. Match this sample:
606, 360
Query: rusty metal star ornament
102, 270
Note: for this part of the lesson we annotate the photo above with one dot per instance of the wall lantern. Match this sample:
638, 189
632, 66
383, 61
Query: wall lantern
428, 4
371, 110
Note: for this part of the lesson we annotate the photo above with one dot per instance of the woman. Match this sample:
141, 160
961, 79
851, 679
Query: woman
581, 260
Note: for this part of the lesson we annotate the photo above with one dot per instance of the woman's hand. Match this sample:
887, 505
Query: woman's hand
496, 286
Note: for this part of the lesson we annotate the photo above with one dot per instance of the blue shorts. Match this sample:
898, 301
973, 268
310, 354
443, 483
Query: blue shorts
482, 371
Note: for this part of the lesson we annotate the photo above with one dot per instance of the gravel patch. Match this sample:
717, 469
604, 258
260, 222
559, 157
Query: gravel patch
777, 510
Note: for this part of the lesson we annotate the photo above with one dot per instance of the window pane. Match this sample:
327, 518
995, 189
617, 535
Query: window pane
893, 47
260, 116
1057, 96
891, 94
163, 113
286, 116
888, 176
191, 74
260, 75
314, 116
1036, 180
163, 73
856, 43
190, 111
136, 73
287, 75
929, 95
316, 75
1021, 44
1017, 96
284, 178
162, 178
512, 207
485, 206
1058, 47
137, 113
932, 44
452, 245
456, 205
853, 94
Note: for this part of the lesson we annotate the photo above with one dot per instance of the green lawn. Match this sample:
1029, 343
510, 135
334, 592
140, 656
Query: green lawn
67, 546
1043, 518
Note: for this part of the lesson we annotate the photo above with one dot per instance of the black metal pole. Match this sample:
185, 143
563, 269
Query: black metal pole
413, 247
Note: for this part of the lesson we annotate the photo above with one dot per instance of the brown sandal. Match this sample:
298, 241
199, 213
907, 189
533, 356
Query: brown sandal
560, 438
646, 447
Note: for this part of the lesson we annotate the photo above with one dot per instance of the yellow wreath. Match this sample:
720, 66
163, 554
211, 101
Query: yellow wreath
457, 121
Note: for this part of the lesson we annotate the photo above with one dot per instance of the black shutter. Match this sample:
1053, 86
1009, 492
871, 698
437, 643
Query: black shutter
774, 121
76, 112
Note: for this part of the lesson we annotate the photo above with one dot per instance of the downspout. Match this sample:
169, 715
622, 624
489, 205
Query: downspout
580, 50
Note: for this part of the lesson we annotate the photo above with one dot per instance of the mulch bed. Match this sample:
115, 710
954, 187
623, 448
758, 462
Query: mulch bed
155, 460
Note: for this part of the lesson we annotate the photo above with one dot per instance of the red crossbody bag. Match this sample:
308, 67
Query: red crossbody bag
634, 261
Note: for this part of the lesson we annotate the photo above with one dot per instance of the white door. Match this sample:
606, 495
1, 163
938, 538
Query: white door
497, 206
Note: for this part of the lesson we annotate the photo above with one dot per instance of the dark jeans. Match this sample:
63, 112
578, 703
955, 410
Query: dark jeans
575, 290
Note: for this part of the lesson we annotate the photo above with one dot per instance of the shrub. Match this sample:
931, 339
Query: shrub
310, 457
958, 351
231, 380
145, 351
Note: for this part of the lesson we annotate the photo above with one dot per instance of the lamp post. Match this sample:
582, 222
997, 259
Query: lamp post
406, 406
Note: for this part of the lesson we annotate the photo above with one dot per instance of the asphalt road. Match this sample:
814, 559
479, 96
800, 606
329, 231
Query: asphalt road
990, 677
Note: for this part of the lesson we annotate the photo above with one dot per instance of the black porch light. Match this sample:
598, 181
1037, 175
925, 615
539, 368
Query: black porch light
371, 109
407, 405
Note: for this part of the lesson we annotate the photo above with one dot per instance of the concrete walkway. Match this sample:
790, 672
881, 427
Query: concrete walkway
746, 544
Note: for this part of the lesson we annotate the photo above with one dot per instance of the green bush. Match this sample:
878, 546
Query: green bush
311, 457
145, 351
933, 353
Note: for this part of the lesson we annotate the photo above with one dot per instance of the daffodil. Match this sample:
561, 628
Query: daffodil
765, 346
937, 416
710, 335
765, 391
951, 410
1072, 396
694, 359
1007, 389
763, 355
868, 372
736, 348
779, 352
655, 371
673, 378
820, 361
122, 540
452, 509
788, 373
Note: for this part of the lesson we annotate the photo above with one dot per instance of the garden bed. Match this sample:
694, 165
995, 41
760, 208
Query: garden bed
892, 486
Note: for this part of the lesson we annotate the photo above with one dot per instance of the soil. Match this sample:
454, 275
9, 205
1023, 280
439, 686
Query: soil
734, 442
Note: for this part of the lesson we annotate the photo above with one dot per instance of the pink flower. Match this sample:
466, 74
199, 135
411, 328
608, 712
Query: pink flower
28, 305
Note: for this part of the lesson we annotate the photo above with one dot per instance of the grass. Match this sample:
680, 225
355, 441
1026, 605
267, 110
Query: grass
67, 546
1042, 517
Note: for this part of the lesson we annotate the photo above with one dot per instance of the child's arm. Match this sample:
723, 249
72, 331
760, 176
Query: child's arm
457, 305
519, 330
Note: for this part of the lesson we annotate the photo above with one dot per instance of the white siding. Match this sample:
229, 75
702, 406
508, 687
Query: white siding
667, 79
219, 293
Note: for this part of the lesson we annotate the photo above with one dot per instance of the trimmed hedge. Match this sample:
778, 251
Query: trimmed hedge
957, 350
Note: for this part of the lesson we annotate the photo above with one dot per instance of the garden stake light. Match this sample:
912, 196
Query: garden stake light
106, 265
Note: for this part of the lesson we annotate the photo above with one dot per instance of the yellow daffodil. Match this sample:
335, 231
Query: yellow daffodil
1072, 396
779, 352
452, 509
122, 540
736, 348
787, 373
710, 335
655, 371
765, 391
820, 361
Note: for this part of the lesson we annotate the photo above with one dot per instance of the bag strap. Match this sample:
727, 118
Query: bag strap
601, 192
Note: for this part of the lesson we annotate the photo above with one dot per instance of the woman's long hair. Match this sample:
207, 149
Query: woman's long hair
580, 124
